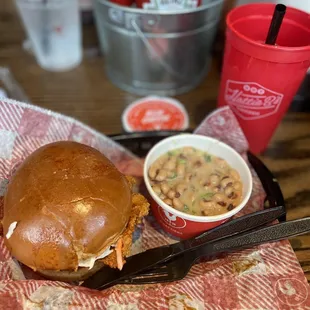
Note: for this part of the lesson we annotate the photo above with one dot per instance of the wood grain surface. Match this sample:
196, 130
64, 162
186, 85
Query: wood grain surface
86, 94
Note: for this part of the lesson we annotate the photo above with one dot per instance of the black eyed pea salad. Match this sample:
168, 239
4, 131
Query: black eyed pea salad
195, 182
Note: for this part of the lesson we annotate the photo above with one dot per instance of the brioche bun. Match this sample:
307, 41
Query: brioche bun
69, 204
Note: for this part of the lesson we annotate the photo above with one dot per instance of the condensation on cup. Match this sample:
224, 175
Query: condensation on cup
54, 30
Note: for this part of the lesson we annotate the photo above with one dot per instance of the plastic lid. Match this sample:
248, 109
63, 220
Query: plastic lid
155, 113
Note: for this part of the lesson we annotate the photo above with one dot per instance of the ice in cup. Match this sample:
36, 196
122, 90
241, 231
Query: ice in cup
181, 224
258, 80
53, 28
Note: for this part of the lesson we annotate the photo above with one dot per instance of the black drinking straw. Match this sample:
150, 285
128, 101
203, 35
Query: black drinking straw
275, 25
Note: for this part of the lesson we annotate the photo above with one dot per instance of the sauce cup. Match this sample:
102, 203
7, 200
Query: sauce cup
180, 224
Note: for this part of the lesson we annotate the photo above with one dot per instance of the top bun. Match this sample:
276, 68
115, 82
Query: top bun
70, 204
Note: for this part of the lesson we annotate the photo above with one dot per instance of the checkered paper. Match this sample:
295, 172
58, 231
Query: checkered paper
266, 277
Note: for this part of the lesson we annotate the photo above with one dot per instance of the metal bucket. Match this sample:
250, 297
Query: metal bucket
151, 52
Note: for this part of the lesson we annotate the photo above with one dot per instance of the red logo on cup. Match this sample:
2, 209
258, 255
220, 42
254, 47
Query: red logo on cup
251, 100
155, 113
171, 219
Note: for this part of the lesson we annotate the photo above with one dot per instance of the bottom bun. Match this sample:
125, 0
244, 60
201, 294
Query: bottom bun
71, 276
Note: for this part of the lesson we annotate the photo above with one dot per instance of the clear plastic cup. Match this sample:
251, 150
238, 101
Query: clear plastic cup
54, 30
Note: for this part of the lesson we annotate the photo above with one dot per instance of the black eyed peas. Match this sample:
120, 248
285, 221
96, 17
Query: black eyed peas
216, 189
226, 181
180, 169
153, 172
170, 164
156, 189
234, 174
218, 197
181, 187
214, 179
195, 182
177, 203
168, 201
171, 174
228, 190
188, 177
207, 204
237, 186
164, 187
162, 175
162, 196
171, 193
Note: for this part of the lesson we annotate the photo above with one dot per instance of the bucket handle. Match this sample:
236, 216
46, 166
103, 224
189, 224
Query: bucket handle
150, 48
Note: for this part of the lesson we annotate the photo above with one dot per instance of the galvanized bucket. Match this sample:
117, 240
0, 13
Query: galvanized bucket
151, 52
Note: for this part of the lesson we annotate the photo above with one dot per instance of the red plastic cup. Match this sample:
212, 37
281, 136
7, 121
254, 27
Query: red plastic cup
259, 80
123, 2
185, 225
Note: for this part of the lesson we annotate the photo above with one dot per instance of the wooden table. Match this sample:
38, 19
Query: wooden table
86, 94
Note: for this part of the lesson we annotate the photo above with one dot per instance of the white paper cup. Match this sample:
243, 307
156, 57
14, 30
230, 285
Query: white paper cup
181, 224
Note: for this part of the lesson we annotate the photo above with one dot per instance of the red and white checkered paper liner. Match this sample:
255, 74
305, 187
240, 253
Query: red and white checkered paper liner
264, 277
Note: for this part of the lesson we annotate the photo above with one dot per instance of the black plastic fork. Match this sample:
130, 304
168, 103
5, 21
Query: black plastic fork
143, 261
177, 269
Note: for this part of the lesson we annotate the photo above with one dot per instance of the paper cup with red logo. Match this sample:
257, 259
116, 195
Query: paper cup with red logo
181, 224
258, 80
155, 113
